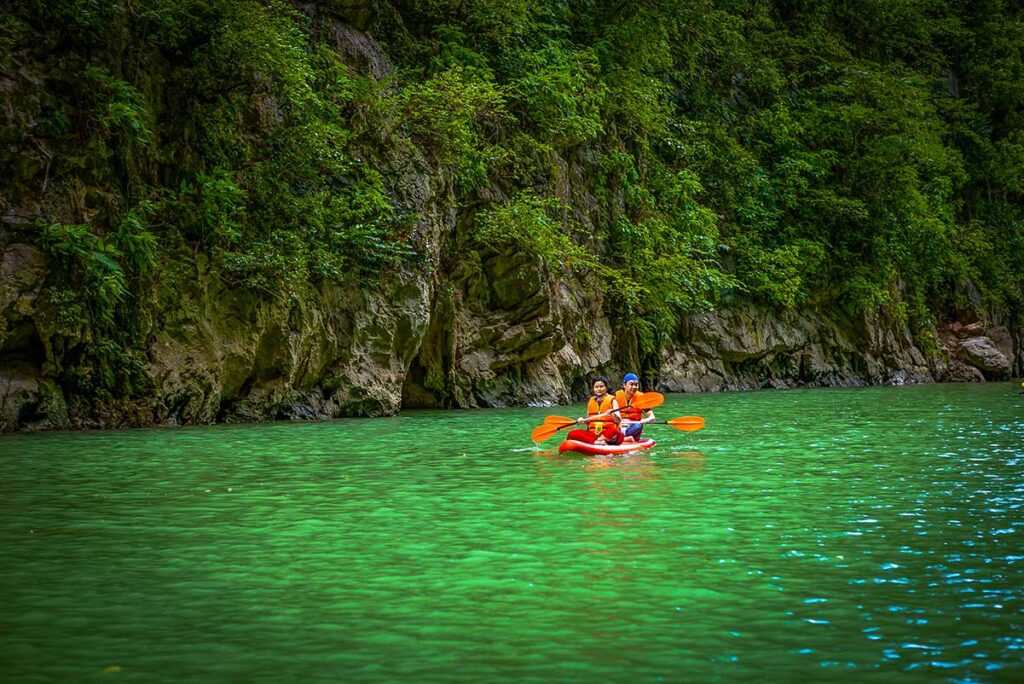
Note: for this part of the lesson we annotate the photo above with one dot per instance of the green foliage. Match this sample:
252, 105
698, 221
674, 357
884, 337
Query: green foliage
453, 51
827, 144
534, 225
634, 46
85, 305
118, 106
664, 251
12, 30
256, 47
134, 241
89, 263
210, 210
79, 21
249, 153
561, 92
67, 311
450, 115
864, 155
314, 213
778, 276
491, 23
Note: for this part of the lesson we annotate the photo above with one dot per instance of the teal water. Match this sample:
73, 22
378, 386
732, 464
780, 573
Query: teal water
837, 535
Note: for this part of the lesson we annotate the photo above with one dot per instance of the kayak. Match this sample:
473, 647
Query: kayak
604, 449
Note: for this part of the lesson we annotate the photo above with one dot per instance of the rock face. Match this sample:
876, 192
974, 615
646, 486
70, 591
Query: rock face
27, 399
488, 345
749, 348
471, 328
232, 357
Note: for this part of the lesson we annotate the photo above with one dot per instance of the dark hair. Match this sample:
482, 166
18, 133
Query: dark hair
599, 378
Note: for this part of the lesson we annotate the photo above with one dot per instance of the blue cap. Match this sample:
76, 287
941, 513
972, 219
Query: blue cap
630, 377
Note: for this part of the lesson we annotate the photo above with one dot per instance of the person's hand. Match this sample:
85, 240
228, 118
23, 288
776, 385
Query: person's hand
580, 421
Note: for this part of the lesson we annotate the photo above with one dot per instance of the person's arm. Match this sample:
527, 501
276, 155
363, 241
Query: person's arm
649, 417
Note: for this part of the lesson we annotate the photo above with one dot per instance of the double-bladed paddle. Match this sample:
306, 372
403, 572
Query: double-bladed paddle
553, 424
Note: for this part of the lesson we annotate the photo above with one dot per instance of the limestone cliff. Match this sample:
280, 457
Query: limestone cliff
467, 326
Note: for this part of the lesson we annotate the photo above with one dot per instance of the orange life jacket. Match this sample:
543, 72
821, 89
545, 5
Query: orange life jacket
629, 413
595, 407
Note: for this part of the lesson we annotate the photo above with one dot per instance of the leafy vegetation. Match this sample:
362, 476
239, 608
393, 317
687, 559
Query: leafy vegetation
857, 155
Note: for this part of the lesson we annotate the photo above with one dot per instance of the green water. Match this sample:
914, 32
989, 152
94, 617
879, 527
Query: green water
825, 534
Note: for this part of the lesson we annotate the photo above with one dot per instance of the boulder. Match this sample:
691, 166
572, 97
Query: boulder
958, 371
984, 355
1002, 339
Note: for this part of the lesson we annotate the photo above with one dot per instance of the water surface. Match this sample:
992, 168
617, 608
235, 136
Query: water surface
841, 535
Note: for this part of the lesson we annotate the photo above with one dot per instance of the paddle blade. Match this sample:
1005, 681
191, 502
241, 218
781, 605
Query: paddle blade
560, 421
687, 423
542, 432
648, 400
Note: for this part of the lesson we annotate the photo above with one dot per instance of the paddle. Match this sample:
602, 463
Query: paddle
557, 420
686, 423
548, 429
647, 400
553, 424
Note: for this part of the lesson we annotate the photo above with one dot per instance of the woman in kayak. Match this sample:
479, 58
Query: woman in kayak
602, 417
633, 419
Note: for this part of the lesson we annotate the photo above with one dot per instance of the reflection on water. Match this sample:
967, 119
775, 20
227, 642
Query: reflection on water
801, 536
639, 464
646, 465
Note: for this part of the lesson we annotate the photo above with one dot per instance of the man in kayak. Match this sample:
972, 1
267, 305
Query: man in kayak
633, 419
602, 417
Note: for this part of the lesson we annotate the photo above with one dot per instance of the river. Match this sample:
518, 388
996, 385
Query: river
841, 535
